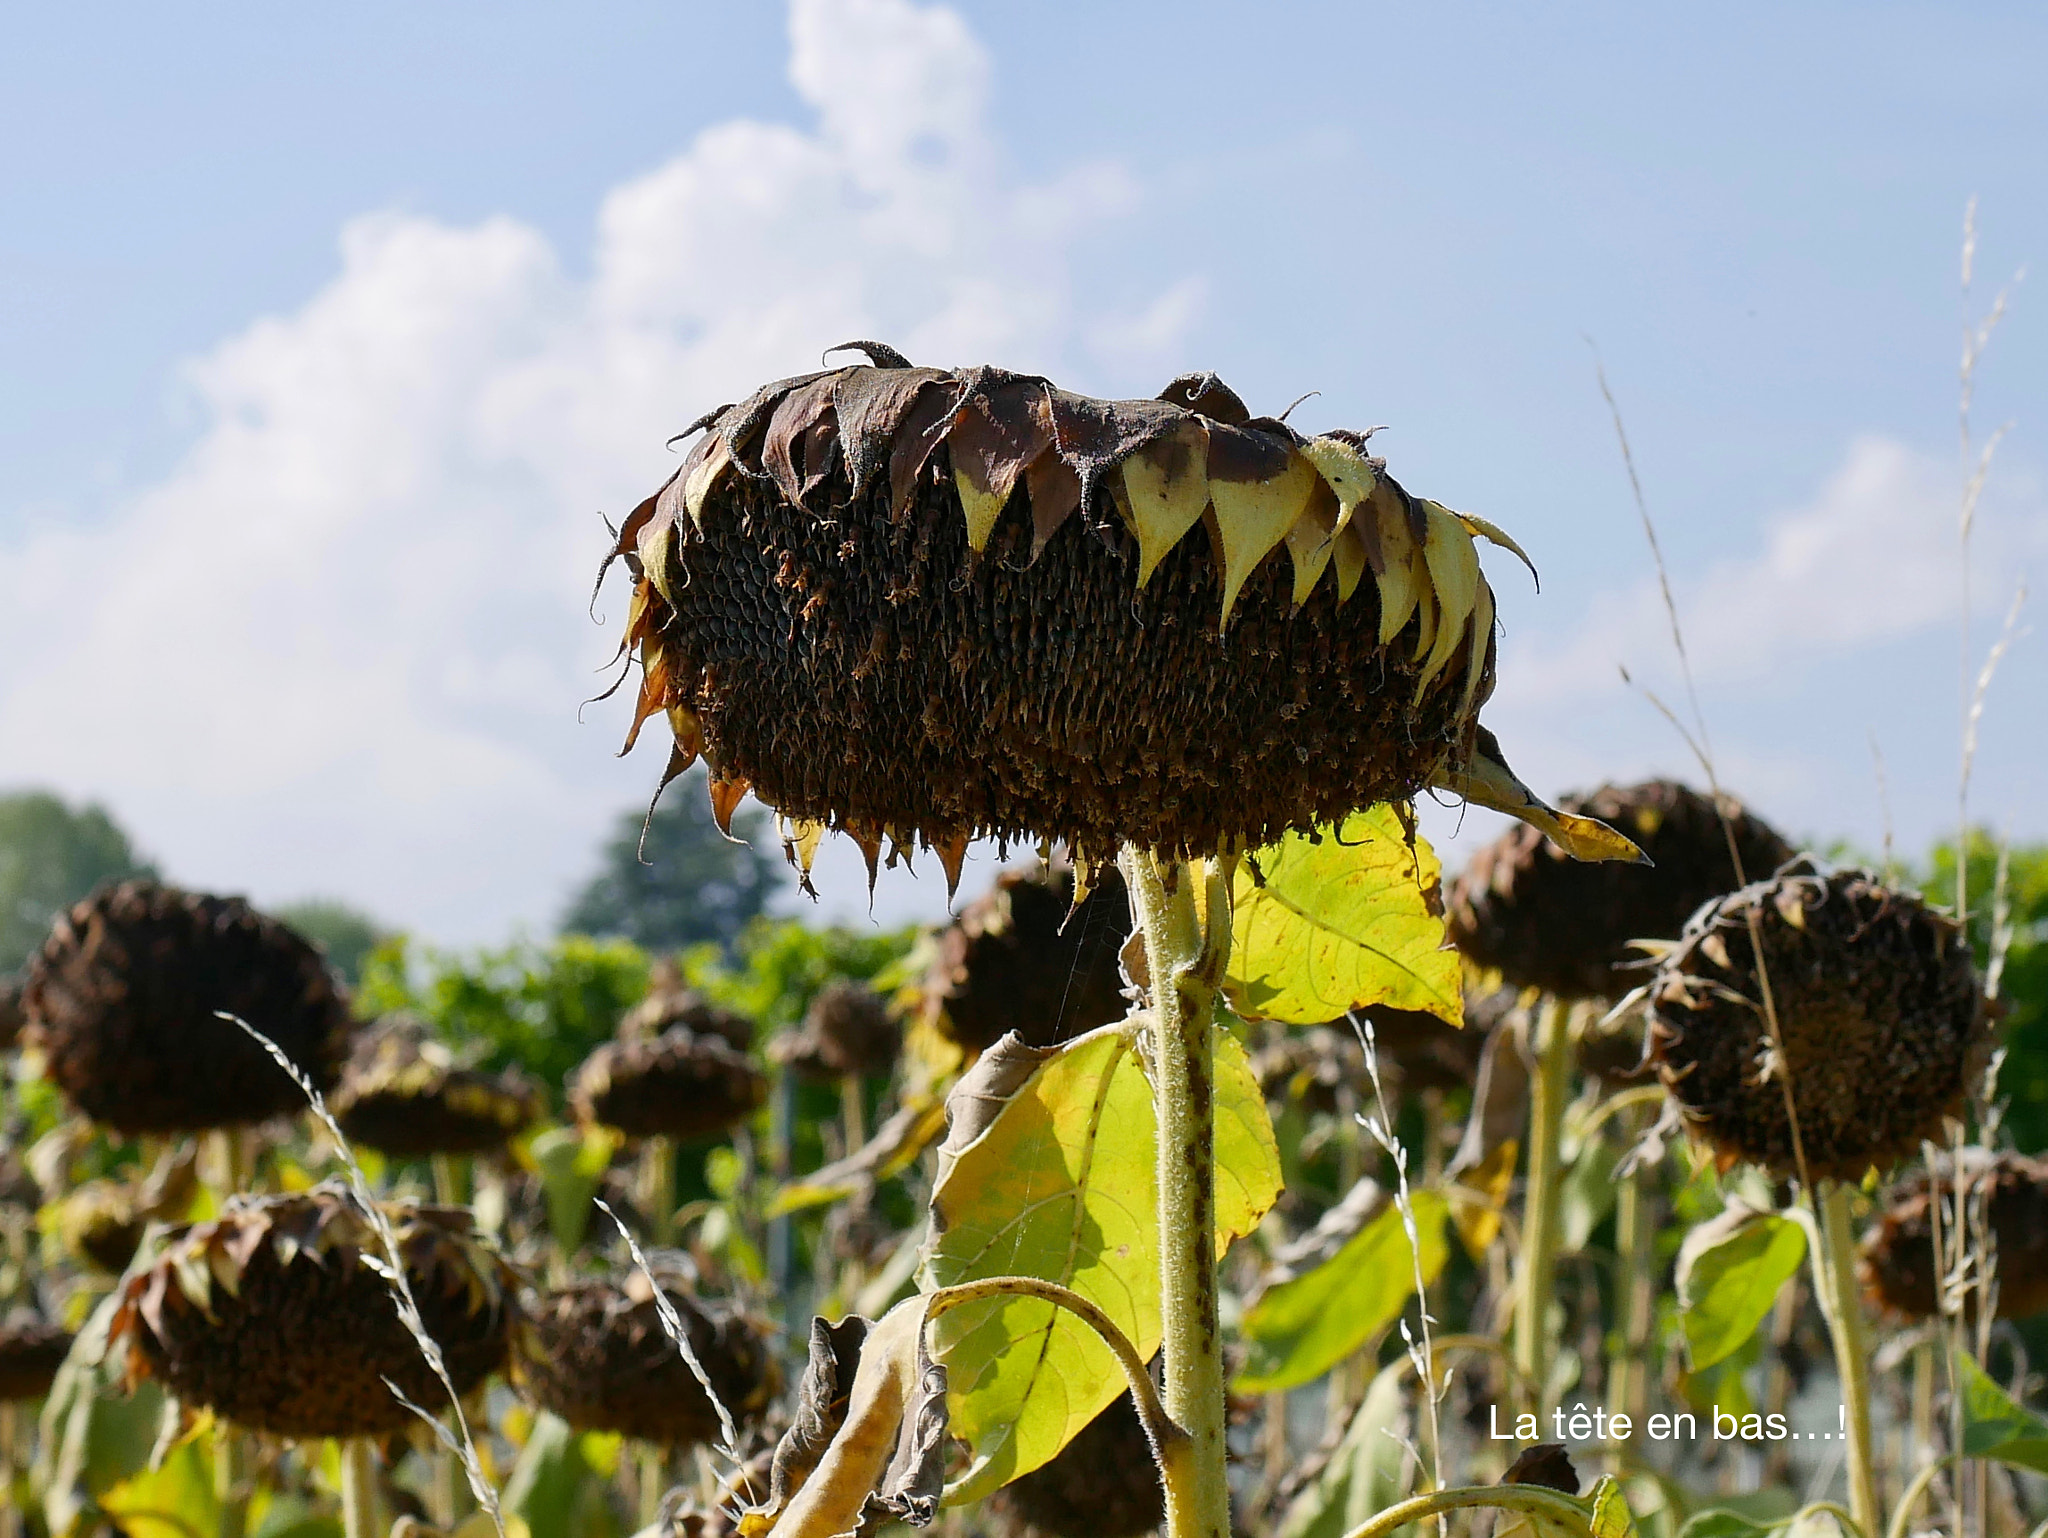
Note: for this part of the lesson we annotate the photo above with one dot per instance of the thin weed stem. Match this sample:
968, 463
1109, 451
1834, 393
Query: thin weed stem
391, 1267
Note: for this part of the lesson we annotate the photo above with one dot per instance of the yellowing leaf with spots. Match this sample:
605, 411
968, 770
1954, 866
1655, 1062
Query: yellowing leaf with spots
1352, 919
1048, 1173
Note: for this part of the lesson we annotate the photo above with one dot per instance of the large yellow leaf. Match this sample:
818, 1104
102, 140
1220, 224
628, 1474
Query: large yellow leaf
1330, 926
1058, 1183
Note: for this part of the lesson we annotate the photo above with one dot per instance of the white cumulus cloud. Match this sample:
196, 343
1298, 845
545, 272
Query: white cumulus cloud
340, 648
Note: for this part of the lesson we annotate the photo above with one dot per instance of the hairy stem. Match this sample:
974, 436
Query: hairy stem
1561, 1509
1536, 1267
1834, 1279
1183, 910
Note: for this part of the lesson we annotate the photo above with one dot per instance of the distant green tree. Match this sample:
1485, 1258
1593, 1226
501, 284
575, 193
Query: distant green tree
50, 856
685, 883
346, 934
2023, 983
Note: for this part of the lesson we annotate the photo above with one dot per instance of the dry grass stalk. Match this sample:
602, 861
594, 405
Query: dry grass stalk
391, 1267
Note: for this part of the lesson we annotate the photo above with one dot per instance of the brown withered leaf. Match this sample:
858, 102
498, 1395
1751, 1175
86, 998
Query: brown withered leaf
916, 1477
1546, 1464
996, 433
919, 432
1095, 436
739, 425
1207, 394
789, 437
1241, 454
821, 1400
872, 403
1055, 493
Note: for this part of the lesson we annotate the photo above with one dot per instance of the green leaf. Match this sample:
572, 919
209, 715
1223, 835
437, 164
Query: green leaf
174, 1500
1722, 1524
571, 1162
1589, 1192
547, 1481
1364, 1474
94, 1436
1729, 1273
1330, 926
1997, 1426
1049, 1173
1303, 1327
1611, 1516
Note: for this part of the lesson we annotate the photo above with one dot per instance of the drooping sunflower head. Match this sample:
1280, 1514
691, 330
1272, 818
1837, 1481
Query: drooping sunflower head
11, 1018
2002, 1214
678, 1084
848, 1029
1883, 1021
670, 1001
925, 605
596, 1354
123, 1000
1025, 957
100, 1224
1543, 920
1103, 1484
405, 1095
273, 1316
32, 1348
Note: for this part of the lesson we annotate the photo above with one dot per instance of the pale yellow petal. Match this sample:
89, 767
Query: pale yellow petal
1475, 659
1254, 516
1453, 566
656, 541
705, 478
1400, 584
1348, 473
982, 505
1488, 781
1347, 554
1166, 486
1499, 536
1426, 614
1310, 541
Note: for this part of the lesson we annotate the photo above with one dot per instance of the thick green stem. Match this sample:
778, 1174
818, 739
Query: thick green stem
658, 1190
1183, 911
231, 1480
358, 1489
451, 1179
1634, 1293
1536, 1266
653, 1482
1834, 1279
12, 1522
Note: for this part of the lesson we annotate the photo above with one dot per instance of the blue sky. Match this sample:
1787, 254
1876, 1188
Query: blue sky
324, 336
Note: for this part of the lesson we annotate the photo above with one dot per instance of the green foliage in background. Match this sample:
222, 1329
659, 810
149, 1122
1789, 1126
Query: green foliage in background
2024, 984
346, 934
681, 882
778, 965
50, 856
543, 1007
